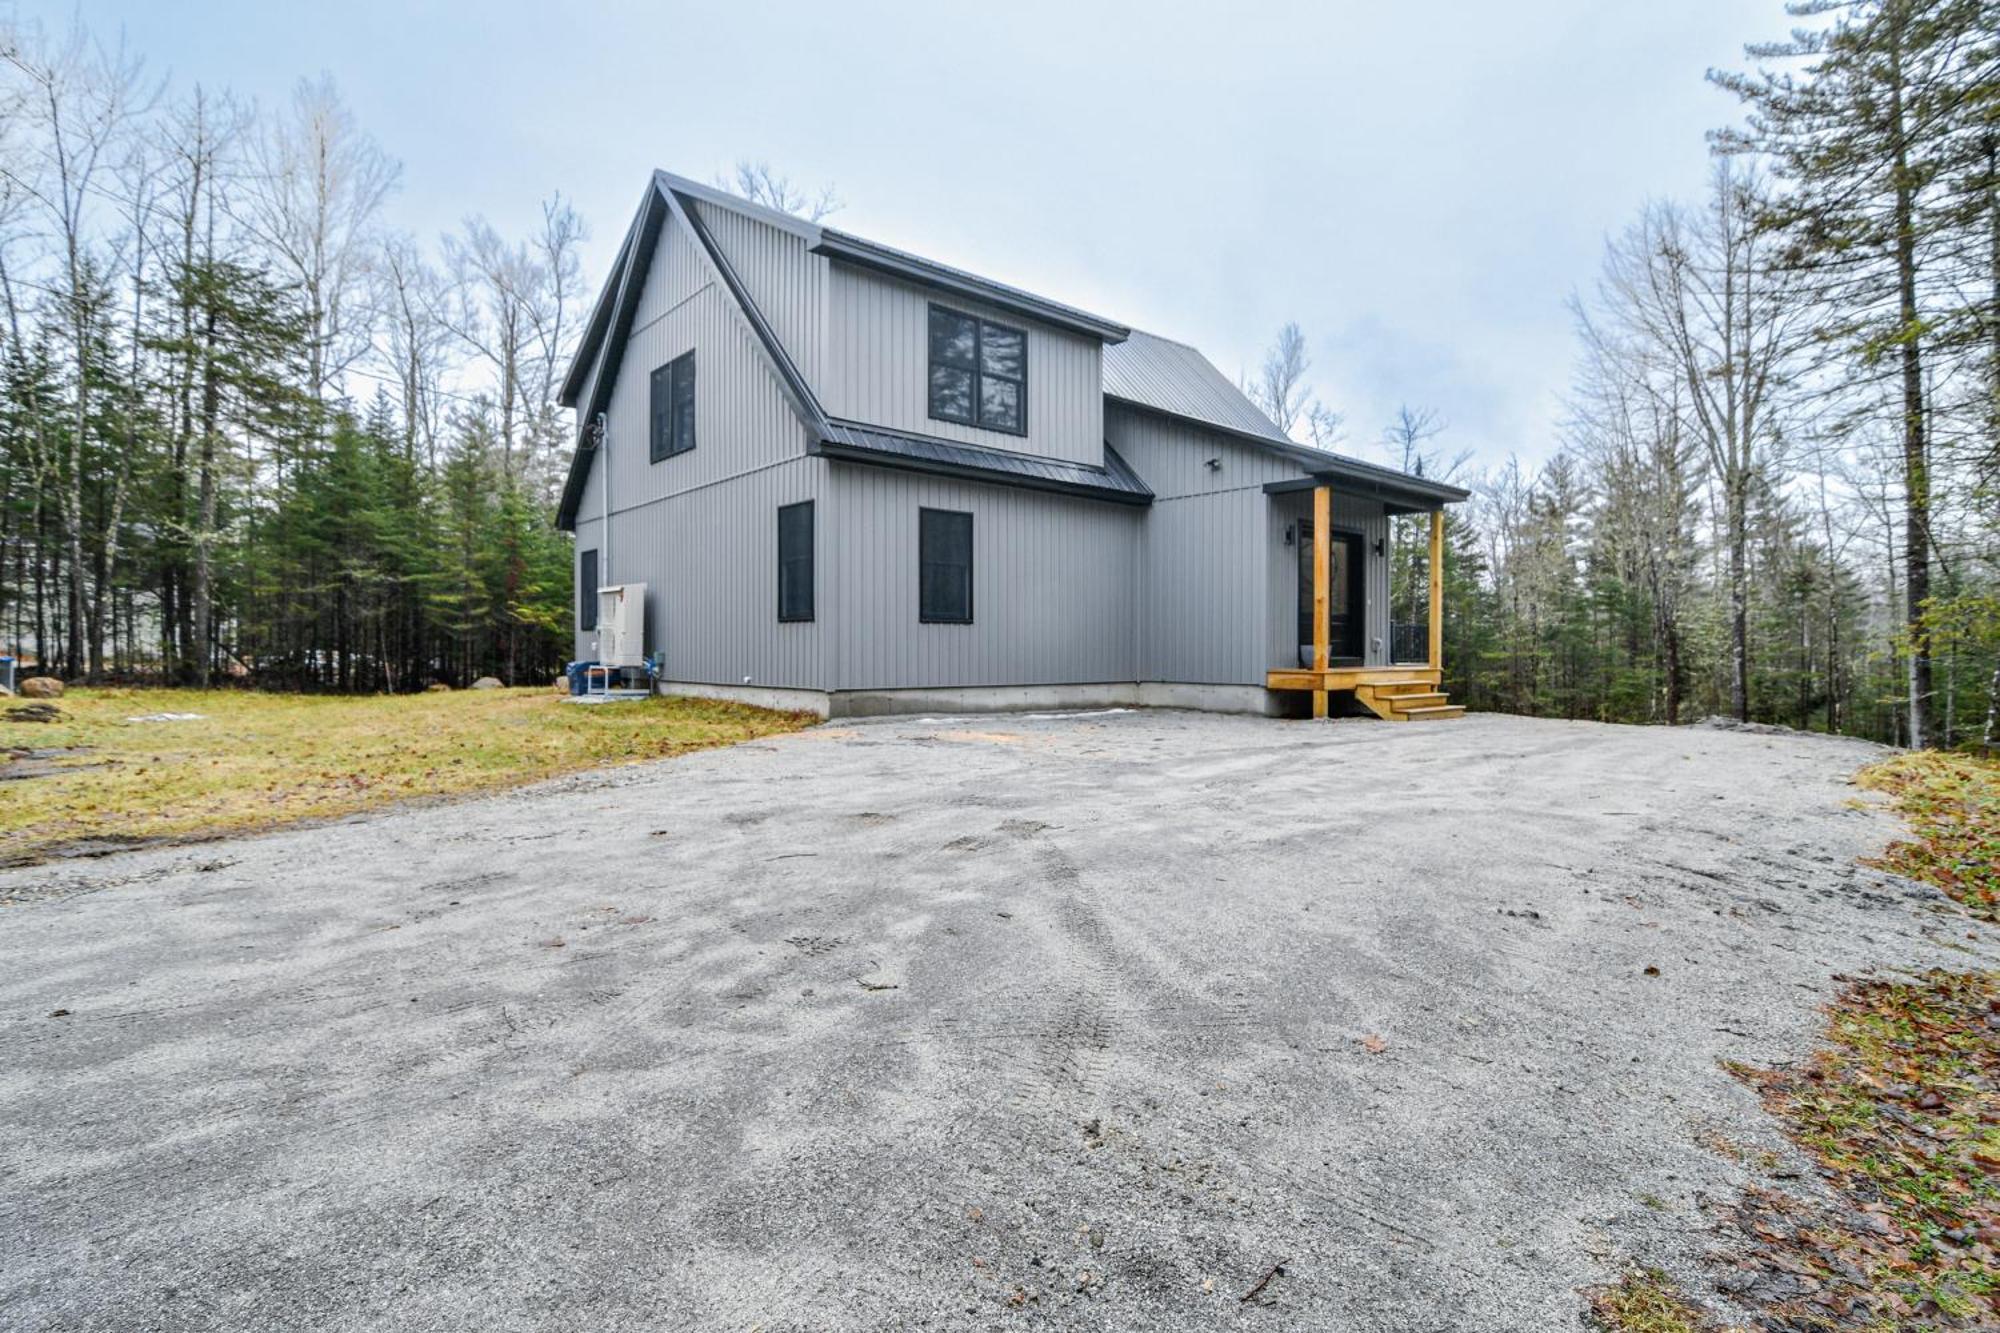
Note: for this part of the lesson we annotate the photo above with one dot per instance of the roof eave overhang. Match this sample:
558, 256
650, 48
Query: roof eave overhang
849, 453
864, 254
1412, 496
667, 196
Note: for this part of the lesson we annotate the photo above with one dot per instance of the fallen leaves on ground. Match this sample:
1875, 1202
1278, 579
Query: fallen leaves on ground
1901, 1112
1952, 802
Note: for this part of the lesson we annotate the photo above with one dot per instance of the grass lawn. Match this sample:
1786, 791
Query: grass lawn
256, 761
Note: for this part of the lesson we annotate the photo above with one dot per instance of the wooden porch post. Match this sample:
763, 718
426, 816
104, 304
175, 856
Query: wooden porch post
1437, 590
1322, 558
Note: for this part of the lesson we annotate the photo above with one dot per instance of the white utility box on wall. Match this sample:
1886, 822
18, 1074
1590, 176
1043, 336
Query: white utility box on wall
621, 625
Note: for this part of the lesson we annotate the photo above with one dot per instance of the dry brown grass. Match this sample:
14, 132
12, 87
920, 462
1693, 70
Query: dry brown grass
257, 761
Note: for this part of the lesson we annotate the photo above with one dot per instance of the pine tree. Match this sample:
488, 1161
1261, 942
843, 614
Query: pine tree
1861, 142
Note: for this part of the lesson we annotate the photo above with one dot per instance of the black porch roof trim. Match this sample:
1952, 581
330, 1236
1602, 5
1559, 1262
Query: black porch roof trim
1114, 482
1401, 494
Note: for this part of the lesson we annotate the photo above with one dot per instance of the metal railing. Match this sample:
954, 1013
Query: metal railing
1410, 643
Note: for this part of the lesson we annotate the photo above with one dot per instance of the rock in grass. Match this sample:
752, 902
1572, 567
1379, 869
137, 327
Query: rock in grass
486, 683
41, 687
34, 713
437, 687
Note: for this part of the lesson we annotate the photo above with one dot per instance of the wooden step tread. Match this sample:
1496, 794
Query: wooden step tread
1435, 713
1426, 699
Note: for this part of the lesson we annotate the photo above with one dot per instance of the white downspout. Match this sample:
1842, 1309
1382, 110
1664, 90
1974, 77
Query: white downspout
599, 427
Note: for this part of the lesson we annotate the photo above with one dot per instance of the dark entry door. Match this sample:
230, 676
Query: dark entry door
1345, 622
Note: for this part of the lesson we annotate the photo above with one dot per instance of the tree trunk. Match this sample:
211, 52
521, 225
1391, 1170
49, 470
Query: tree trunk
1916, 463
1739, 600
204, 534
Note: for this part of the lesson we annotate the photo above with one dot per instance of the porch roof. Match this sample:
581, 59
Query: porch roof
1399, 492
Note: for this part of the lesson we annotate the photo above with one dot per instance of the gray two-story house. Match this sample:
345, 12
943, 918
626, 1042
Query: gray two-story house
857, 481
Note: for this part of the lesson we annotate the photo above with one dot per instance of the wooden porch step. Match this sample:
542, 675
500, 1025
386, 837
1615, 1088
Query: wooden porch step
1407, 701
1435, 713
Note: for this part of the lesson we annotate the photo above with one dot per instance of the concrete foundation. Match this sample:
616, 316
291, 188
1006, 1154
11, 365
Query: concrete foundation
1252, 699
757, 696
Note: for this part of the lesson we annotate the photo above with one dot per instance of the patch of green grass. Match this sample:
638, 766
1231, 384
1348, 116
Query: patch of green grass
255, 761
1646, 1301
1952, 802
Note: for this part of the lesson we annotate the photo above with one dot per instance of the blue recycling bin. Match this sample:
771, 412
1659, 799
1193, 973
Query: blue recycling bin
577, 679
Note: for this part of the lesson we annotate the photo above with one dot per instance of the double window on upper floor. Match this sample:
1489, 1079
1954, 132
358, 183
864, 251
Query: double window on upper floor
670, 408
979, 372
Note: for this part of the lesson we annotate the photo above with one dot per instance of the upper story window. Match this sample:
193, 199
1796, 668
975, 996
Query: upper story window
979, 372
672, 408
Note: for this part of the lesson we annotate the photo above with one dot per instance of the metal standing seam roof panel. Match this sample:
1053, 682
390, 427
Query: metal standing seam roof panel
1172, 377
1114, 481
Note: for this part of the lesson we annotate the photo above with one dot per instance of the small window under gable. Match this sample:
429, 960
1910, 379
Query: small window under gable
978, 372
670, 401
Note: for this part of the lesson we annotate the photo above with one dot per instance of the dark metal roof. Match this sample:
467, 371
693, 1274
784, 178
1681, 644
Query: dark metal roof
609, 326
1147, 372
942, 277
1175, 380
1115, 481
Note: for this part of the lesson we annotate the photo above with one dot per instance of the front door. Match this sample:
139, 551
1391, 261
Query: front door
1345, 623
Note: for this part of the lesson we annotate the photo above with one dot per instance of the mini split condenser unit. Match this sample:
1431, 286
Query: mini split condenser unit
621, 625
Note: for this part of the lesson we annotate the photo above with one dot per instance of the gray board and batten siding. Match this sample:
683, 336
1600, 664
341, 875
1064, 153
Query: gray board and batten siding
1137, 530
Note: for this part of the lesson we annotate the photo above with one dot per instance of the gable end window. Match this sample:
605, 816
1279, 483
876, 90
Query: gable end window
795, 562
979, 372
944, 567
586, 591
671, 404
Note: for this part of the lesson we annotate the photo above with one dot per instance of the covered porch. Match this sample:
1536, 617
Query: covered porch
1396, 670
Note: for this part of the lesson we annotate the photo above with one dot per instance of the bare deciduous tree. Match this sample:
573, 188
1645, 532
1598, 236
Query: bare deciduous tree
1700, 292
316, 185
1282, 392
81, 100
759, 184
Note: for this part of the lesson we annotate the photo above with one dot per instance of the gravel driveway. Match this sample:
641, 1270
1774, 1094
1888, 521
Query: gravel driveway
1054, 1022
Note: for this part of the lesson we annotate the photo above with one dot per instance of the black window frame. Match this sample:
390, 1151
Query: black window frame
976, 417
587, 576
927, 520
793, 561
669, 388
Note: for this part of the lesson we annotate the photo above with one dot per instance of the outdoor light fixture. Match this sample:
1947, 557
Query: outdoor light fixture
1378, 546
1288, 534
1215, 465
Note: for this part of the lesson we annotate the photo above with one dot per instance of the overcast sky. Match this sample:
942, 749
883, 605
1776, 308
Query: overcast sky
1420, 186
